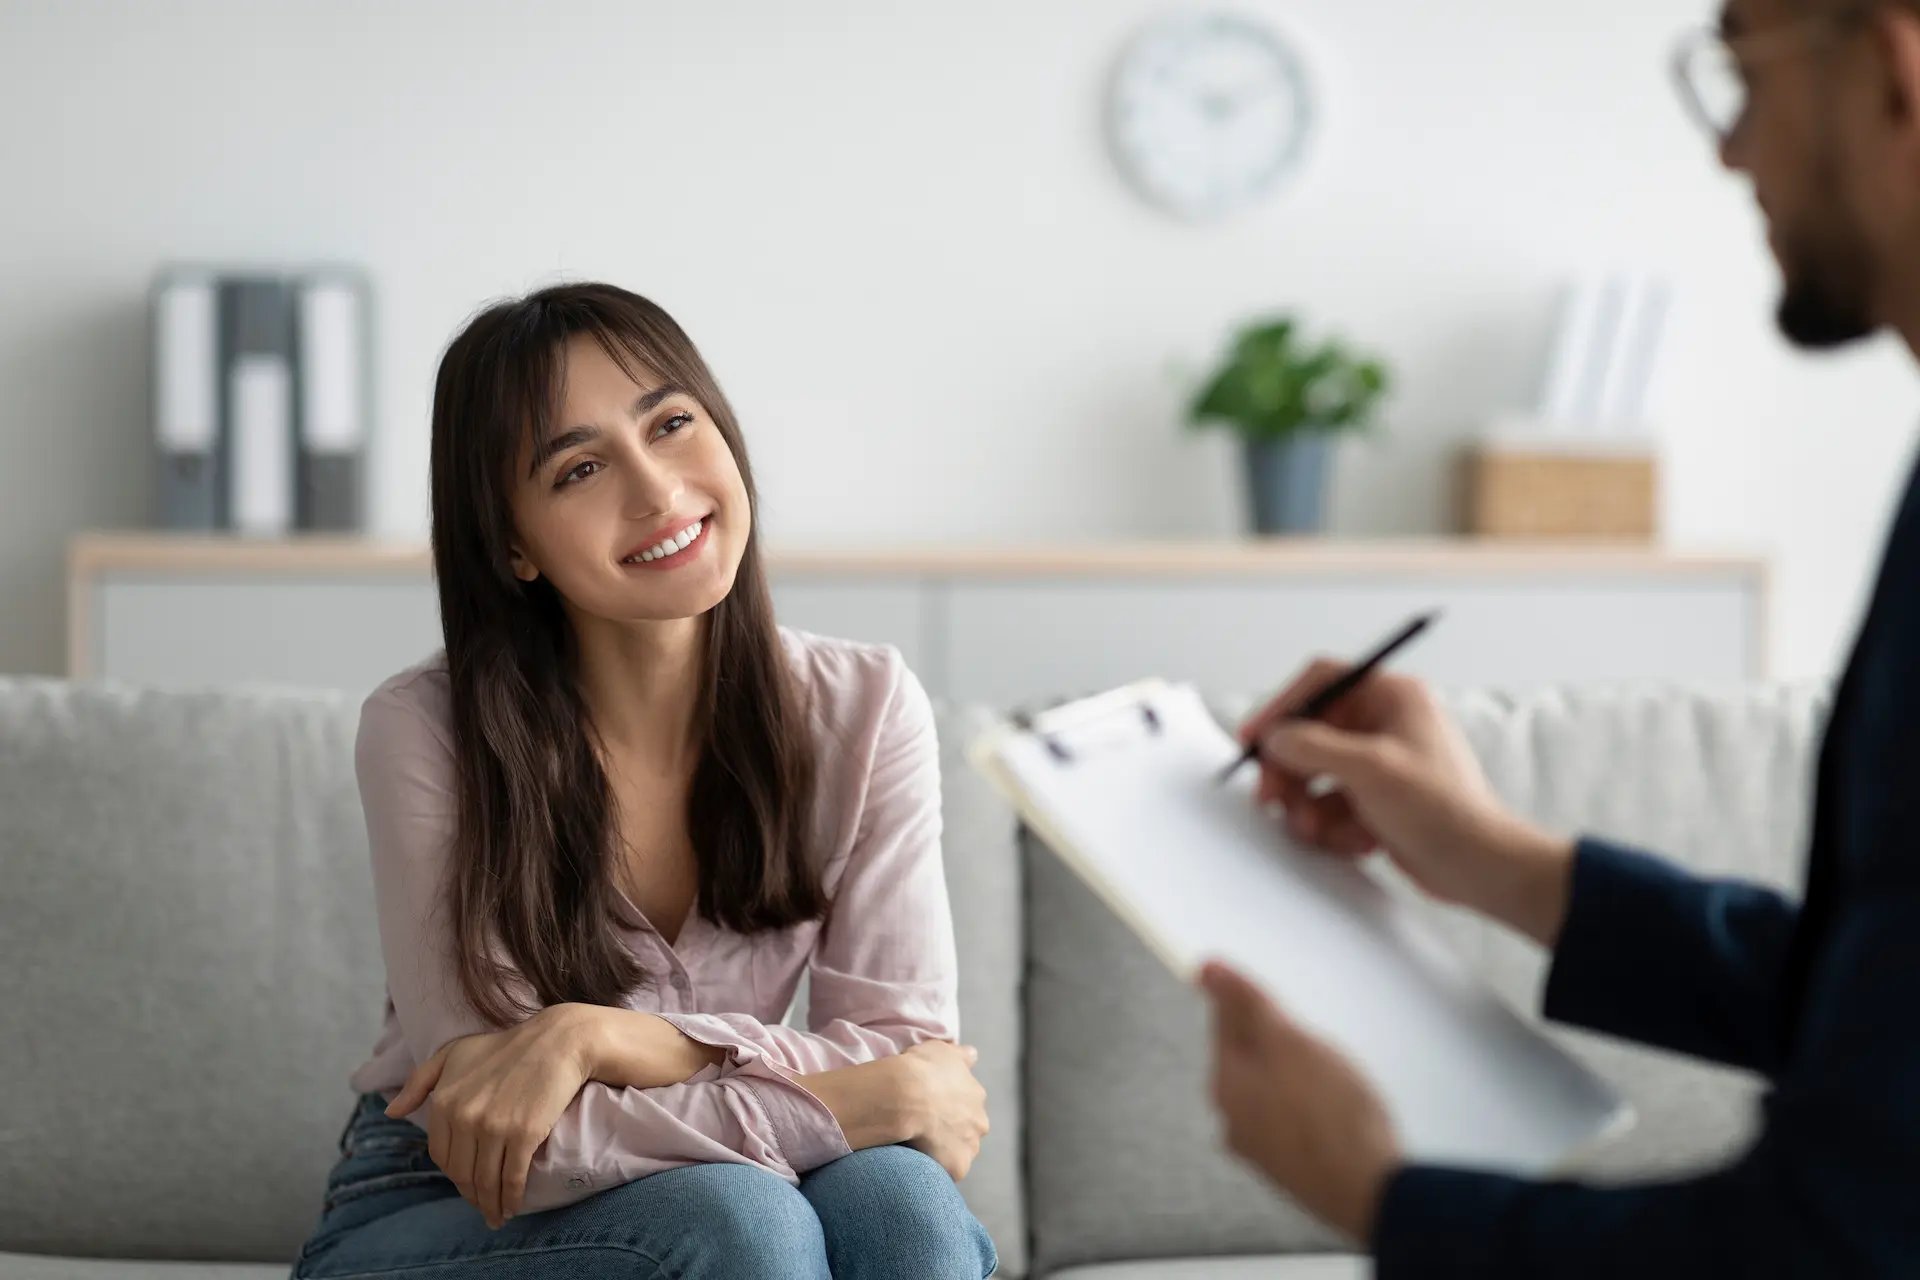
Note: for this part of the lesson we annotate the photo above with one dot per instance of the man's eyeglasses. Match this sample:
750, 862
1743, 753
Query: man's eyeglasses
1711, 69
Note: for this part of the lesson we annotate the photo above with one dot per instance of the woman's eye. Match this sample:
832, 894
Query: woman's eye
678, 422
577, 473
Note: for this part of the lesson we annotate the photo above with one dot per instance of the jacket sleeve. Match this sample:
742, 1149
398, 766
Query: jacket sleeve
1827, 1191
1652, 954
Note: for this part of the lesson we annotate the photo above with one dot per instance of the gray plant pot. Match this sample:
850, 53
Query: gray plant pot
1287, 482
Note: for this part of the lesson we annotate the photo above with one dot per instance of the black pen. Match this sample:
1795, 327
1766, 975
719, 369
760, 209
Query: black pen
1317, 705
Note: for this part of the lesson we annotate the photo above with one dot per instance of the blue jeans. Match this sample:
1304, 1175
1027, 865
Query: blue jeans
887, 1212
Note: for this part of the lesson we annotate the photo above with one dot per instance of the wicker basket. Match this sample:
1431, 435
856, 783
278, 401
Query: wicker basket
1513, 492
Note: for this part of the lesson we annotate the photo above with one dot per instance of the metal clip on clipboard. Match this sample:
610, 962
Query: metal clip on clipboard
1113, 712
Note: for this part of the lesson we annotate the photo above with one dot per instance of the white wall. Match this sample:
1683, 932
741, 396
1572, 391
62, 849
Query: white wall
895, 231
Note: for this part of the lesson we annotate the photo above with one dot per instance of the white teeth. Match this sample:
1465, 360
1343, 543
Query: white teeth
670, 545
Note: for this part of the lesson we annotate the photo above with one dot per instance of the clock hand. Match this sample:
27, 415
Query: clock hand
1217, 106
1220, 103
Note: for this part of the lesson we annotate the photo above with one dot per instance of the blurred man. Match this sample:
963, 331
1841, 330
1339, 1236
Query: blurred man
1818, 103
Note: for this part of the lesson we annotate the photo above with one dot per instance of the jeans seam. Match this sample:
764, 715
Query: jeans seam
379, 1184
522, 1251
353, 1118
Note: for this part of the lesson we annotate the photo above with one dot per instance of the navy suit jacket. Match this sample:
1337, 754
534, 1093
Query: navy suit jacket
1822, 998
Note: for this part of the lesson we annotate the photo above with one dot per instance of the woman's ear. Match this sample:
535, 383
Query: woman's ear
523, 568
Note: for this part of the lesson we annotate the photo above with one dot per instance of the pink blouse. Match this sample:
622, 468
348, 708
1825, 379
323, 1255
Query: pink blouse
881, 966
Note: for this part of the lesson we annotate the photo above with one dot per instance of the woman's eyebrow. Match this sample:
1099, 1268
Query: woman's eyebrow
647, 401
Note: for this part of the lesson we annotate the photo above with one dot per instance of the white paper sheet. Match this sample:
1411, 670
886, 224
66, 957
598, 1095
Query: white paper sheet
1198, 872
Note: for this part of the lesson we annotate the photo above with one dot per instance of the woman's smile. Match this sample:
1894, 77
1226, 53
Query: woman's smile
680, 548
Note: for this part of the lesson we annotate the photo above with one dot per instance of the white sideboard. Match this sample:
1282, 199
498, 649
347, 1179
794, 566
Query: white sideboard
1000, 626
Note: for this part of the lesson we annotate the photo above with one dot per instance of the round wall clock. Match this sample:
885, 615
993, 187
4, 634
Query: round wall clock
1209, 112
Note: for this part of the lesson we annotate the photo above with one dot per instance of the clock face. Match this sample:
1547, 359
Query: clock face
1208, 113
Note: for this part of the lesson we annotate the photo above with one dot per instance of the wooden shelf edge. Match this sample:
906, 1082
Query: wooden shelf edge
91, 554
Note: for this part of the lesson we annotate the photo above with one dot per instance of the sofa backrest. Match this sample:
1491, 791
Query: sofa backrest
191, 966
192, 969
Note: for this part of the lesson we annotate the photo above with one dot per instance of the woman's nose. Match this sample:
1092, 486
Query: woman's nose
654, 491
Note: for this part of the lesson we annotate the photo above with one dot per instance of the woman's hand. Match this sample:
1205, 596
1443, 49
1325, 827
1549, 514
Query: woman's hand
642, 1050
925, 1098
1294, 1108
1408, 784
951, 1105
496, 1097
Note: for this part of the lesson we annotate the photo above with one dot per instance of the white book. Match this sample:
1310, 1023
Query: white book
328, 325
186, 400
1123, 787
261, 394
330, 337
1602, 342
1563, 397
258, 355
1634, 353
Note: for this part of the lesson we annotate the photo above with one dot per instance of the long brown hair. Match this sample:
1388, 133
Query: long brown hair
533, 856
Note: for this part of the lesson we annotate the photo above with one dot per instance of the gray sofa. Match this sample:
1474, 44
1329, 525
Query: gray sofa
190, 970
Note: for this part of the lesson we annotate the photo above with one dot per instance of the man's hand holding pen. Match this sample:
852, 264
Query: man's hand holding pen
1404, 782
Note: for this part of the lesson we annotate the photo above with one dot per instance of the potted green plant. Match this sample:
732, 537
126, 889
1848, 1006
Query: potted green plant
1288, 400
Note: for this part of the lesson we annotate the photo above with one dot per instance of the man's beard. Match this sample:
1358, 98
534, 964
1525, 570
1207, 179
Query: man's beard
1826, 300
1828, 297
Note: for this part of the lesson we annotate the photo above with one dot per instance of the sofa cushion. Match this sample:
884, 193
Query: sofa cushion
1124, 1160
21, 1266
192, 967
1124, 1157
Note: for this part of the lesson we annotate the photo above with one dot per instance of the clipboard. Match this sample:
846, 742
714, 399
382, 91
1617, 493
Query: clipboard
1123, 788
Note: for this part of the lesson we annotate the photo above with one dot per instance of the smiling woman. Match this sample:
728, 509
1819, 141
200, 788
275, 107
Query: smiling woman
618, 772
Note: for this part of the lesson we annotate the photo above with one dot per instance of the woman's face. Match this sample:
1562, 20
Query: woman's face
639, 514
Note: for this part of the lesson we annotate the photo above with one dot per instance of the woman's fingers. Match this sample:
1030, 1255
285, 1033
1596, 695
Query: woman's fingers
439, 1131
489, 1155
513, 1173
450, 1144
420, 1082
460, 1159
